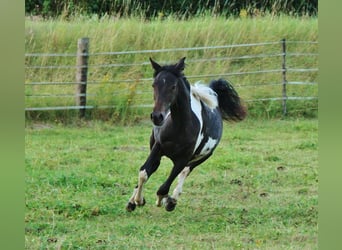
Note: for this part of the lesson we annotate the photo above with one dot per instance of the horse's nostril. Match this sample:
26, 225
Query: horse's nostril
157, 118
161, 117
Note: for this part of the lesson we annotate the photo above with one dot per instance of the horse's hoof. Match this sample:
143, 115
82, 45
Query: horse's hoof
130, 207
143, 203
170, 204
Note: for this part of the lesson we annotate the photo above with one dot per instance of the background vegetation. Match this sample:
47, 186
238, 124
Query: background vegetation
180, 8
109, 34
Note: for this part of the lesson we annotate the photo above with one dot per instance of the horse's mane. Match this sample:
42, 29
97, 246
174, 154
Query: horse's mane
205, 94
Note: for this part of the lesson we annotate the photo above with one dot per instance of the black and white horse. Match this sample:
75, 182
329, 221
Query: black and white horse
187, 126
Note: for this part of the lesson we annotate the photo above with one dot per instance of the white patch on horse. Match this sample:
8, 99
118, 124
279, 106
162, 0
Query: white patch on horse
181, 178
142, 176
132, 199
205, 94
200, 92
139, 199
207, 148
198, 142
197, 109
209, 145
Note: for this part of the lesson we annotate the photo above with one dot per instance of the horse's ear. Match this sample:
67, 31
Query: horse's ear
155, 65
180, 65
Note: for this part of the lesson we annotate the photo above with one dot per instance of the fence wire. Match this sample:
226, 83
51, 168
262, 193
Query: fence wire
189, 77
113, 65
117, 66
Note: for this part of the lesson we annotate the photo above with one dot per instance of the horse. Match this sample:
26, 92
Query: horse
187, 127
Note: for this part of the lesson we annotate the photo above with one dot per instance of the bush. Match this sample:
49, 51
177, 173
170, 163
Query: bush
154, 8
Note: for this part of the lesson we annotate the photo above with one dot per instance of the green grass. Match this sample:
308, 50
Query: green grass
258, 191
108, 34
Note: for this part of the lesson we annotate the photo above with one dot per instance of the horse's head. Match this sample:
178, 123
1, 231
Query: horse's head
165, 86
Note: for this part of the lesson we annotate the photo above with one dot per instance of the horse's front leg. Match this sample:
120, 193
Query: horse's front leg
137, 198
145, 172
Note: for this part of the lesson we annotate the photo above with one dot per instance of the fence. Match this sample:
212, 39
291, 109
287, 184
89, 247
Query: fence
268, 58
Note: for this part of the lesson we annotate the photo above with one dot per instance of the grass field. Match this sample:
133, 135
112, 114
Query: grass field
131, 34
258, 191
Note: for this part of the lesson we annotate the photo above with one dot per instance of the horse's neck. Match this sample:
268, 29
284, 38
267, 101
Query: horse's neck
181, 110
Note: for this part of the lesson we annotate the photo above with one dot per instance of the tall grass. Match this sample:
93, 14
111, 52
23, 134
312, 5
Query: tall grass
123, 34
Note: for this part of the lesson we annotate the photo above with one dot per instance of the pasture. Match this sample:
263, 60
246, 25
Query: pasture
258, 191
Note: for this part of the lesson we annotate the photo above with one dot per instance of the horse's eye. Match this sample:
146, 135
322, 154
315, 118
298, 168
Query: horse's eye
173, 87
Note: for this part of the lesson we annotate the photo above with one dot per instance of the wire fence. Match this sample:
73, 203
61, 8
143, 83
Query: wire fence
107, 79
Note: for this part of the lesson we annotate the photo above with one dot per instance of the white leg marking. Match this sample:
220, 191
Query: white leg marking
138, 197
158, 202
181, 178
131, 200
161, 200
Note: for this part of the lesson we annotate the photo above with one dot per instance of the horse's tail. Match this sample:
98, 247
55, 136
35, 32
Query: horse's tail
229, 101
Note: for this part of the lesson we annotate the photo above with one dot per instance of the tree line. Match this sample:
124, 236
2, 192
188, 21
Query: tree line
157, 8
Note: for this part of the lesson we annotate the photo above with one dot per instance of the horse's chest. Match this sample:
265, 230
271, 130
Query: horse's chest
177, 138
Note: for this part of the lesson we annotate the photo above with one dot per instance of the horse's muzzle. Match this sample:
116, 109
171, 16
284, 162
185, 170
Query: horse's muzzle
157, 118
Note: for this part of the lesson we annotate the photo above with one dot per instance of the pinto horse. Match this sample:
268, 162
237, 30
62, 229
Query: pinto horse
187, 126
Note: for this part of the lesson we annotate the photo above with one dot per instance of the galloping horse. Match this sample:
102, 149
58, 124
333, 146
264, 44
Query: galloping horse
187, 126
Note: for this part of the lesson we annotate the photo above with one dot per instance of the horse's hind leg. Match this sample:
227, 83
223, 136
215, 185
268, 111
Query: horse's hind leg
181, 178
162, 193
171, 201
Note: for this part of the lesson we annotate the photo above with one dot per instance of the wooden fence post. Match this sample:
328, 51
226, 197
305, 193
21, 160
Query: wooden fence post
283, 41
81, 74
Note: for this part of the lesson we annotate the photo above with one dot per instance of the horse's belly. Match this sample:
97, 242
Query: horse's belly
205, 148
209, 146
